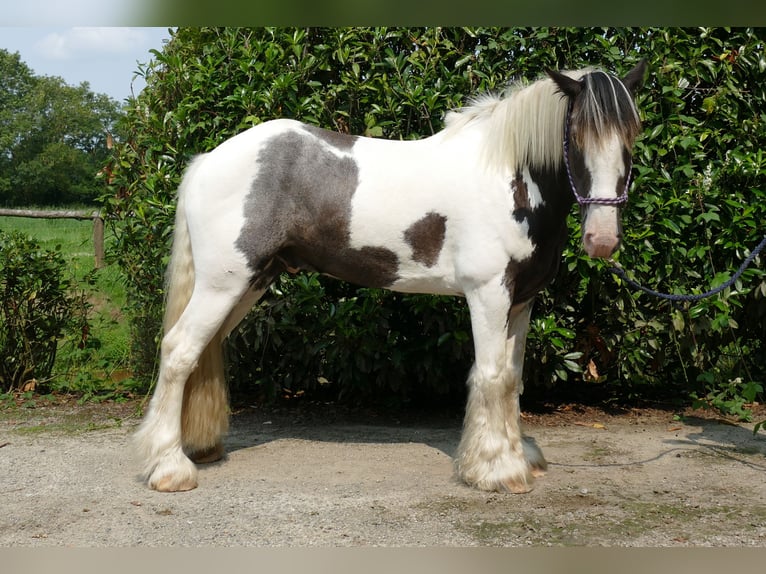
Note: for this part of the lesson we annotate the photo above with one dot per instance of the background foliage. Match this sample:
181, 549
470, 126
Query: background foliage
38, 304
53, 137
697, 207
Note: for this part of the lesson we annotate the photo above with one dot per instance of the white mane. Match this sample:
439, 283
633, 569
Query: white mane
524, 126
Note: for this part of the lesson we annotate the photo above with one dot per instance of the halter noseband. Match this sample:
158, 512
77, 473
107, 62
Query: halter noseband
617, 201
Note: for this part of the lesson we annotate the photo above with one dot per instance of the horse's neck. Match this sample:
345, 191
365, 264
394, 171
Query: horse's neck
554, 189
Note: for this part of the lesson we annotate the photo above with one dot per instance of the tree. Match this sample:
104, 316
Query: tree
53, 137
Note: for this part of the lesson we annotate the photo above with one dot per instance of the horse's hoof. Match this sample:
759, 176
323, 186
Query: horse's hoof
517, 487
538, 468
174, 474
169, 483
208, 455
538, 472
520, 485
534, 456
516, 483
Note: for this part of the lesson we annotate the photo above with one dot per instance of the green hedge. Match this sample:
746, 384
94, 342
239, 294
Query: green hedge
698, 204
39, 305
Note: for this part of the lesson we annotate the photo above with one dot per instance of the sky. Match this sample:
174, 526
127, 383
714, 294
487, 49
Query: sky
105, 57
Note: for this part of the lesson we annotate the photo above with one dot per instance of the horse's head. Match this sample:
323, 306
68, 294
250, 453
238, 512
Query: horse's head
601, 125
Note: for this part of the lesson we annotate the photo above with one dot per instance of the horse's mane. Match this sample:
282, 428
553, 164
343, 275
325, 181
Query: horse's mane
525, 124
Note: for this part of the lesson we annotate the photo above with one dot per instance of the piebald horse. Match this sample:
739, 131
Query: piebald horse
477, 210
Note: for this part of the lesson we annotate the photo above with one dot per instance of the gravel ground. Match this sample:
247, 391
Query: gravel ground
637, 478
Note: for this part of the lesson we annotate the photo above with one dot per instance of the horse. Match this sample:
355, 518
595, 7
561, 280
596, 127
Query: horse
476, 210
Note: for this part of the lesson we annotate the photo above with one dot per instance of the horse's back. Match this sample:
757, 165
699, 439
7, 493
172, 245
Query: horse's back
405, 215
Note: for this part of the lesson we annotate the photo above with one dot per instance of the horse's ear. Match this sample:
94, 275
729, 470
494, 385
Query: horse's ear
567, 86
634, 79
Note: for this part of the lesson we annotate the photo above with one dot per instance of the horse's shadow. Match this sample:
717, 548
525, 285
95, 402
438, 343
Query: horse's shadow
252, 428
715, 438
724, 440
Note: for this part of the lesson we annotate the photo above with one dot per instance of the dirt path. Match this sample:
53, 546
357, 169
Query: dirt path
639, 479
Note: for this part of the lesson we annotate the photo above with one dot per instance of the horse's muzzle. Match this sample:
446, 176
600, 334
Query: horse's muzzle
600, 245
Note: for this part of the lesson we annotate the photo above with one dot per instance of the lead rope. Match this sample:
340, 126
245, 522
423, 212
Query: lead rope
620, 272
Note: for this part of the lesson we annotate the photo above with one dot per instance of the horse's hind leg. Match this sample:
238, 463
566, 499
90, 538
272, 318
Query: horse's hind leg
159, 439
205, 411
493, 454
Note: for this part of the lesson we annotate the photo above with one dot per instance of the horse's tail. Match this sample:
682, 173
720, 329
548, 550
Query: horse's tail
205, 410
179, 278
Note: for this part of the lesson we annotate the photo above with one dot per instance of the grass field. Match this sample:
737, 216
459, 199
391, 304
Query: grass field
103, 368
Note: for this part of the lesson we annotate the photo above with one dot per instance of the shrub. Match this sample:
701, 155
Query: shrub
311, 333
36, 308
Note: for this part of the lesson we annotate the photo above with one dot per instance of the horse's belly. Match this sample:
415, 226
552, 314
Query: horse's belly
438, 279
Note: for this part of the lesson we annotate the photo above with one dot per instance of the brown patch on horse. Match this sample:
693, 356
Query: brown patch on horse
298, 213
426, 237
547, 230
522, 207
520, 192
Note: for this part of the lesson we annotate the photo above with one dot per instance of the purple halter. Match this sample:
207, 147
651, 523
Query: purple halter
618, 201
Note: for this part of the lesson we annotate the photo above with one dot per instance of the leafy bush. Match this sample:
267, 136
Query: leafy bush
36, 308
698, 204
310, 333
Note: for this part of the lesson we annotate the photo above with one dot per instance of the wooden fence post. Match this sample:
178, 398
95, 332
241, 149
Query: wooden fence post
98, 239
95, 216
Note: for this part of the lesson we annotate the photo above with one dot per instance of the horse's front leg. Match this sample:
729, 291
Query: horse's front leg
493, 454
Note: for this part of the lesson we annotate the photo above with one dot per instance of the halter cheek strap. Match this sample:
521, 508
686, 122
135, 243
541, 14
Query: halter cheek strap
619, 201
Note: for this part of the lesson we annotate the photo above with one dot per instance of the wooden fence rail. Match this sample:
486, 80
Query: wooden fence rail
95, 216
